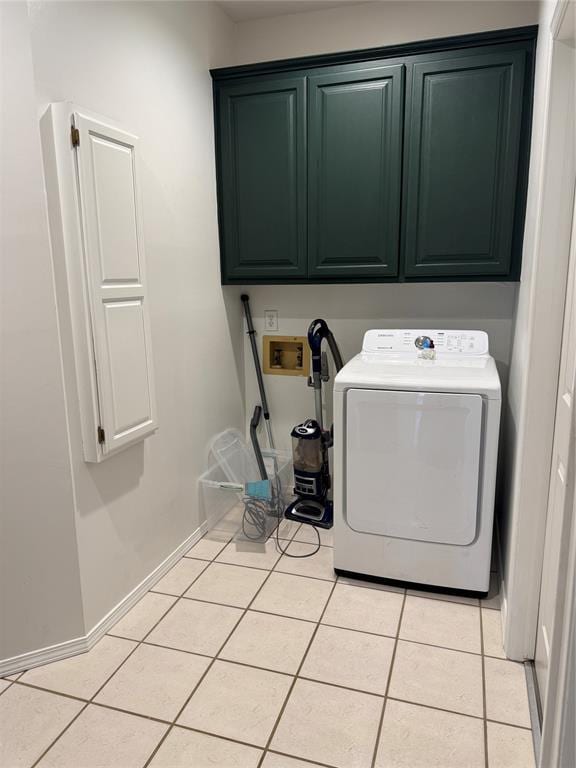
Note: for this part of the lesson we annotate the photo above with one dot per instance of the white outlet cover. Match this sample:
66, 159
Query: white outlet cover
271, 319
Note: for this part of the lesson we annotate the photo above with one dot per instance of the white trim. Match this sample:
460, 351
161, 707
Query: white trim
556, 25
540, 361
68, 264
560, 686
82, 644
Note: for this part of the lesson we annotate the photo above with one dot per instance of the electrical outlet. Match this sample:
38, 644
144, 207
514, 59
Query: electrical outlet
270, 319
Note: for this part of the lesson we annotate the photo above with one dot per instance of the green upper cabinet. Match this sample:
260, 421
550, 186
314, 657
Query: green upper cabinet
400, 164
463, 128
354, 172
262, 125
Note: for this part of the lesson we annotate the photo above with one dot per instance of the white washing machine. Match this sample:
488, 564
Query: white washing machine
415, 454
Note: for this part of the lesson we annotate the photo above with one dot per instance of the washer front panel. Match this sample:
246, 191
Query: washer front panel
413, 464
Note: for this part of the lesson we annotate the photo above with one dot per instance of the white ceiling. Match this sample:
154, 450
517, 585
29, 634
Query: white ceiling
248, 10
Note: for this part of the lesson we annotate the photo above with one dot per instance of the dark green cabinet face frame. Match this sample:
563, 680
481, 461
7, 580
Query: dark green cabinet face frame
263, 178
396, 164
354, 172
463, 140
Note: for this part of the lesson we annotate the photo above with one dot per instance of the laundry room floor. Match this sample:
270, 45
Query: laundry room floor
240, 658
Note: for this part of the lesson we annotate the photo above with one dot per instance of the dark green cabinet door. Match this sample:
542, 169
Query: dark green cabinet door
354, 173
463, 141
263, 179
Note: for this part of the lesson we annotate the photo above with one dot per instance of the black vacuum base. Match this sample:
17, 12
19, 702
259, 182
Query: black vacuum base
323, 520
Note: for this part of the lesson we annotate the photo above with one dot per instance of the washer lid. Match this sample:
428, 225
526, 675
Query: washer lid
391, 360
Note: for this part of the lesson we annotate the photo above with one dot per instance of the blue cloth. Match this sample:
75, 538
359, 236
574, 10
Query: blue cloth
260, 489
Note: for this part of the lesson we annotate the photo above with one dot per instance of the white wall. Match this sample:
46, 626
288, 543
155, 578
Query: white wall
374, 24
351, 310
77, 538
40, 601
145, 65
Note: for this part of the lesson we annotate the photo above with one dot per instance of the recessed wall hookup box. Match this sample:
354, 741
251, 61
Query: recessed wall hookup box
286, 355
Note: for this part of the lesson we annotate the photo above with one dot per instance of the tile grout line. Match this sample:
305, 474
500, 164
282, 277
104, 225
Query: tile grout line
178, 598
295, 679
312, 762
10, 684
277, 672
484, 708
478, 602
91, 699
308, 621
138, 644
143, 641
455, 712
210, 665
56, 693
388, 682
418, 642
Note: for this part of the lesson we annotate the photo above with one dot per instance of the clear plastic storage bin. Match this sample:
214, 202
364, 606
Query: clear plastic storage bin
224, 502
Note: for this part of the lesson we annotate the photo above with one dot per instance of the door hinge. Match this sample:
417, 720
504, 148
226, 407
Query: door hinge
75, 134
101, 435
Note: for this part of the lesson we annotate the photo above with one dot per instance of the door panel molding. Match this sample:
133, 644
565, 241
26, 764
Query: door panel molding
95, 212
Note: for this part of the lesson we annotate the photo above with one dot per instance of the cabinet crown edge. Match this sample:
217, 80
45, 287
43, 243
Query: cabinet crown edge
434, 45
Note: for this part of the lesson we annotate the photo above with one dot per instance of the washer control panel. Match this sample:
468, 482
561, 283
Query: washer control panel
462, 343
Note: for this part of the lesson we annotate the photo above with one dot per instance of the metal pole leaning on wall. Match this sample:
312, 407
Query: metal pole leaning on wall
252, 336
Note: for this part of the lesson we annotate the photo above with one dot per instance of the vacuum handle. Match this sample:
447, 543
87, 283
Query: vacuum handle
338, 362
255, 420
317, 332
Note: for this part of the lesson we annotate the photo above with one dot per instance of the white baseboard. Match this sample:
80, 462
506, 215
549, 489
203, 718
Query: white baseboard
82, 644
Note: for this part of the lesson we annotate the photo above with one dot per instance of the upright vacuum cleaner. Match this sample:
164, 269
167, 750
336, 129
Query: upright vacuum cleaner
310, 441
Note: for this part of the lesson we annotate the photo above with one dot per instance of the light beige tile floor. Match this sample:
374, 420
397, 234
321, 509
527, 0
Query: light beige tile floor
268, 641
240, 658
145, 614
186, 749
409, 737
181, 576
227, 585
319, 566
82, 675
437, 677
105, 737
436, 622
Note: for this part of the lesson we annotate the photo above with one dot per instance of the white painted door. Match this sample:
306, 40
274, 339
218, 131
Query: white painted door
116, 282
412, 464
560, 501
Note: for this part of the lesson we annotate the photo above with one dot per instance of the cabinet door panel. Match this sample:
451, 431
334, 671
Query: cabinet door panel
263, 179
116, 289
355, 147
463, 144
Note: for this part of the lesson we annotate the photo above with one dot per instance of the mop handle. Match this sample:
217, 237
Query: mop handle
252, 335
255, 444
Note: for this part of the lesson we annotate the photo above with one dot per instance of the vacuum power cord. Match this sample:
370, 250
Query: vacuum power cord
284, 550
